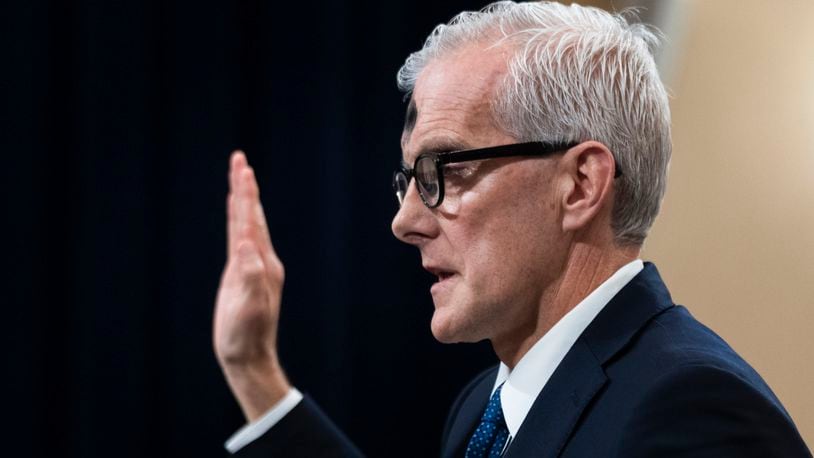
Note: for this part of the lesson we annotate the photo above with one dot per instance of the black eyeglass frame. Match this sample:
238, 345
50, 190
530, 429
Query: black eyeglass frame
538, 149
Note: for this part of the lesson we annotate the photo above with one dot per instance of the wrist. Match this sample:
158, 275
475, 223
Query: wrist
257, 386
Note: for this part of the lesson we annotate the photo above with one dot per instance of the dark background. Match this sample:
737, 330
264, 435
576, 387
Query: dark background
118, 119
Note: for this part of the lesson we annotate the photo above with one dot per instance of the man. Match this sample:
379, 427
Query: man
535, 154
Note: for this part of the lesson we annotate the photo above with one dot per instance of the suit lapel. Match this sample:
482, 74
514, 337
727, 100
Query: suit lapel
468, 417
558, 407
581, 375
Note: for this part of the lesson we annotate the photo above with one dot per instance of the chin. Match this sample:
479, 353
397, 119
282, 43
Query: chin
447, 330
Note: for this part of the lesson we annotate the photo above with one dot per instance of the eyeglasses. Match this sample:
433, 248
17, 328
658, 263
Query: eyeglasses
428, 168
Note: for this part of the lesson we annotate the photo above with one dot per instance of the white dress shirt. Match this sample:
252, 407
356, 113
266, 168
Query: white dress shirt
245, 435
522, 385
526, 381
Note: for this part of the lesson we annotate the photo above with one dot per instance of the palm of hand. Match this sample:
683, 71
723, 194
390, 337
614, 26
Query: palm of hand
248, 301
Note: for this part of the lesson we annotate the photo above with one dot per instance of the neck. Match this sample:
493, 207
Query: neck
584, 269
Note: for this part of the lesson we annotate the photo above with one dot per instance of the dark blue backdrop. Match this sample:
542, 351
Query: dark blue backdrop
118, 119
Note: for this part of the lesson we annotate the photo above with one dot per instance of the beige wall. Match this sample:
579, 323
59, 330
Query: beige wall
735, 239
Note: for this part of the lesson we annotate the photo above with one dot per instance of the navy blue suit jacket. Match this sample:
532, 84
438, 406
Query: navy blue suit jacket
645, 379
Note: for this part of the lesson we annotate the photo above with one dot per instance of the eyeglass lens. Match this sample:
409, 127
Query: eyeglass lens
426, 175
427, 178
400, 185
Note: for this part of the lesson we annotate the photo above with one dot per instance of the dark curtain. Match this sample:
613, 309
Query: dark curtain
118, 119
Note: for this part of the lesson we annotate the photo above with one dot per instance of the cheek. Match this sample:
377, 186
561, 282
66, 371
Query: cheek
502, 244
506, 235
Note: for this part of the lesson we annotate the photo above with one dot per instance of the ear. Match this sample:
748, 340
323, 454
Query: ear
588, 171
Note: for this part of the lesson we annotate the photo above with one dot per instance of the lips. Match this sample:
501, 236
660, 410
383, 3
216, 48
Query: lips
440, 272
444, 278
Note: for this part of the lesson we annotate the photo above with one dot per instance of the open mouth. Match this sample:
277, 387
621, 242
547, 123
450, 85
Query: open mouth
444, 279
443, 275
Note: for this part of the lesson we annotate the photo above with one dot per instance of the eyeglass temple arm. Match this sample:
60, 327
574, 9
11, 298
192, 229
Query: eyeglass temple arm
520, 149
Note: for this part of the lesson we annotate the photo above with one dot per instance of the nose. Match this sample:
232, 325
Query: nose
414, 223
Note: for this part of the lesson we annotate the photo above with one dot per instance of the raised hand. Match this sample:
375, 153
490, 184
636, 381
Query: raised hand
247, 309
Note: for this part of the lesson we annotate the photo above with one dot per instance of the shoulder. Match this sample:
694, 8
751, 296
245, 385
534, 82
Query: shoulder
704, 410
695, 396
674, 342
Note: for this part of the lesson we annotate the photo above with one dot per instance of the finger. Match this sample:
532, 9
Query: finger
262, 226
237, 162
266, 229
250, 219
231, 225
245, 198
252, 210
256, 227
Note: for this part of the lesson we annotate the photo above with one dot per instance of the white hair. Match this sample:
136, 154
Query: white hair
576, 74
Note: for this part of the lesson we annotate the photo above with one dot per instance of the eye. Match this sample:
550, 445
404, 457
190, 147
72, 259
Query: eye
458, 171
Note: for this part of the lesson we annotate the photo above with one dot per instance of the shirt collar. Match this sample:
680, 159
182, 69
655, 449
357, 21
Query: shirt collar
524, 383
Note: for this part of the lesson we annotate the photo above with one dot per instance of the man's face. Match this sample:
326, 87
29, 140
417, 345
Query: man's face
495, 242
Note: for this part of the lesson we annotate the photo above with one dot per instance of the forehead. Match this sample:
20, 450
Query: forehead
452, 102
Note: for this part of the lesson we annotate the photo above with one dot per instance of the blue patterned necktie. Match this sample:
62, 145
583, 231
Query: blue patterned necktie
492, 433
